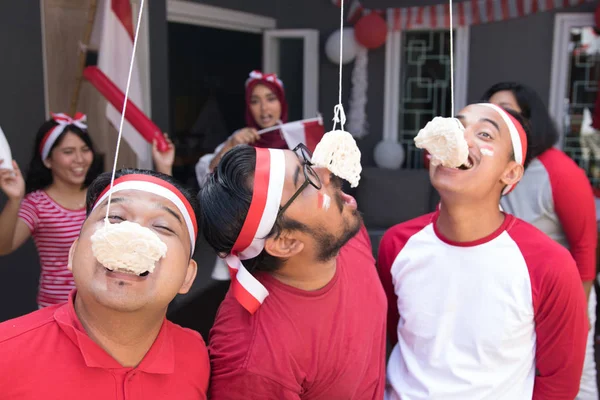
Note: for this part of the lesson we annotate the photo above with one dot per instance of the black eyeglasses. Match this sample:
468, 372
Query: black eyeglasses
310, 176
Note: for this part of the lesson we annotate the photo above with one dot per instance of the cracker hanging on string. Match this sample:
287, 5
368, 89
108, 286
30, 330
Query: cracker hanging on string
127, 247
444, 139
338, 152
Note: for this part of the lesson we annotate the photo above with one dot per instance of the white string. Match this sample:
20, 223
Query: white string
451, 64
338, 111
135, 39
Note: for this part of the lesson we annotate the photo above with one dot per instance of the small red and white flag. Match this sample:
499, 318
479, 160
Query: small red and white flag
114, 32
308, 132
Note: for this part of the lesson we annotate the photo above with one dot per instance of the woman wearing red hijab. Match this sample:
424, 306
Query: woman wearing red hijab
266, 107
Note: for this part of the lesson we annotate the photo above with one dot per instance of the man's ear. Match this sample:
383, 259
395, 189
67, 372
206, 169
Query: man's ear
285, 246
71, 253
512, 174
190, 275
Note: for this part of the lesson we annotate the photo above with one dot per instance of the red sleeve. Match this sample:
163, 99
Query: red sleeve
386, 256
243, 384
560, 315
391, 244
29, 213
575, 208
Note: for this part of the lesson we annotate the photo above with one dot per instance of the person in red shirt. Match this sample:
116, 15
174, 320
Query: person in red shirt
305, 314
111, 340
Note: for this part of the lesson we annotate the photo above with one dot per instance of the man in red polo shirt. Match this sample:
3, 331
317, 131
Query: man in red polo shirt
309, 321
111, 340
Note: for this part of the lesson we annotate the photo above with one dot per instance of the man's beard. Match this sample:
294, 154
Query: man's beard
328, 245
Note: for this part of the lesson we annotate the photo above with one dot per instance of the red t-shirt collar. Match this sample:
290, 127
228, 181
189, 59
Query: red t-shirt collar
160, 359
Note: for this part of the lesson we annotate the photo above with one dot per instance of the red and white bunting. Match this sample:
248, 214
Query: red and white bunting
468, 12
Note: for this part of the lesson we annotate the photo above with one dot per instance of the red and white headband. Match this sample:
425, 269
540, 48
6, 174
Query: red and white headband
269, 176
63, 120
257, 75
518, 137
151, 184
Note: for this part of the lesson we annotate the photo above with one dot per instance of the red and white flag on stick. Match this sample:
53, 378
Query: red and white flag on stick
113, 33
308, 132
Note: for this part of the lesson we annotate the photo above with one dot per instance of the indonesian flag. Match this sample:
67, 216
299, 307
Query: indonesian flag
309, 133
114, 29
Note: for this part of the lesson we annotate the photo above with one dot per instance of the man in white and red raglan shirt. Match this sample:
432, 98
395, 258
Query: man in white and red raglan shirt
305, 314
481, 304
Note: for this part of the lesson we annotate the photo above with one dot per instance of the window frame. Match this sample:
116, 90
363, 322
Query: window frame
393, 74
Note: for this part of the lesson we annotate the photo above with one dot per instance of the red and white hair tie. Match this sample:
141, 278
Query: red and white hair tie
518, 137
257, 75
157, 186
63, 120
269, 177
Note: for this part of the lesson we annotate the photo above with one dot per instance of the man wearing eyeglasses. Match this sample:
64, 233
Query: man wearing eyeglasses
305, 315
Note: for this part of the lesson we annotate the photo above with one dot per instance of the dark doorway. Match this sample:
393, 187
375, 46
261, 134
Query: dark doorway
207, 71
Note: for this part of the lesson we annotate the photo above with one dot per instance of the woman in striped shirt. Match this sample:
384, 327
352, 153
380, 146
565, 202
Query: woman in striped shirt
64, 163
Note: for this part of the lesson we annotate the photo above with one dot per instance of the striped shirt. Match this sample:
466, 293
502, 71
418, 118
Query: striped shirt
54, 229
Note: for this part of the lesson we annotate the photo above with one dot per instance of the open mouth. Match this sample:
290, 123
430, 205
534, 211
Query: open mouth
467, 165
128, 272
266, 119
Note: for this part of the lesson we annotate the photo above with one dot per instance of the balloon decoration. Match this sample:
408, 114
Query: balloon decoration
371, 31
332, 46
389, 154
133, 114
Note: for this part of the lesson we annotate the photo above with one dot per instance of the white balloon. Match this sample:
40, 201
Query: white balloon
332, 46
389, 154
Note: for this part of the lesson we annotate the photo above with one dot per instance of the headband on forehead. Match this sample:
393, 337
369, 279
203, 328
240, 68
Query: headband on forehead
257, 75
151, 184
269, 176
63, 120
518, 137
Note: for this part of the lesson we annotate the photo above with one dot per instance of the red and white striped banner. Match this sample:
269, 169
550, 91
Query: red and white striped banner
468, 12
113, 34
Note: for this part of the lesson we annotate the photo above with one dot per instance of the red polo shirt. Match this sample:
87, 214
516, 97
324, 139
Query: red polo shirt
48, 355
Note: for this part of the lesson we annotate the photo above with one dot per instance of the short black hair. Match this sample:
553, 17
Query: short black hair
225, 200
103, 181
38, 176
543, 133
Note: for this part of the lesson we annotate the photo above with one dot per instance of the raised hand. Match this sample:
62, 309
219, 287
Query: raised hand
244, 136
11, 181
163, 161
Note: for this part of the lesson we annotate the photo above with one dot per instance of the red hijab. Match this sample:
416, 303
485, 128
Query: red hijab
273, 139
